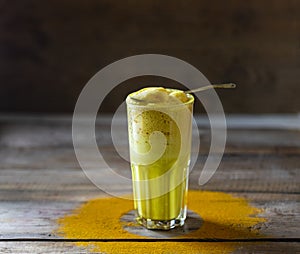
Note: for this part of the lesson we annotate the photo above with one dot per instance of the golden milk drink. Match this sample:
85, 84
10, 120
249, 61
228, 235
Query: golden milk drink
159, 127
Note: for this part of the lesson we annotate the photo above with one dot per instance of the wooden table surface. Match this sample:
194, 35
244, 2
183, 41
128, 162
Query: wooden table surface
41, 180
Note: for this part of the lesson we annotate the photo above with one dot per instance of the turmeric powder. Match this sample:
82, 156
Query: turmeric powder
224, 216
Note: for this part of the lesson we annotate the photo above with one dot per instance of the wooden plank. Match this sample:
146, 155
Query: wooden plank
40, 247
61, 157
31, 219
234, 121
40, 180
67, 247
243, 131
274, 247
252, 172
36, 217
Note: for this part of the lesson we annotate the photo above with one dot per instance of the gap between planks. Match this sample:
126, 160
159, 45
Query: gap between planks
152, 240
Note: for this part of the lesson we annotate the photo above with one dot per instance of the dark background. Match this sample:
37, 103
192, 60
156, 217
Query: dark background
49, 49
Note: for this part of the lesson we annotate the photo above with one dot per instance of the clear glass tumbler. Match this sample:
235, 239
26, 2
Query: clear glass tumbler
160, 147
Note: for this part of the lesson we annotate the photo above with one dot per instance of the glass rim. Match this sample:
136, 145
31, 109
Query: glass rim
154, 105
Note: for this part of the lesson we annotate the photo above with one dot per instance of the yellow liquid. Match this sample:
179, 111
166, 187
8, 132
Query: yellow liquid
142, 122
166, 207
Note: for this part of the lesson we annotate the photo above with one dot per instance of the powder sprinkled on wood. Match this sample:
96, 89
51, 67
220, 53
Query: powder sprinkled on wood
224, 216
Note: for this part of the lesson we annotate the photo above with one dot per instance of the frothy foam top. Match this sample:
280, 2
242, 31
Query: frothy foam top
159, 95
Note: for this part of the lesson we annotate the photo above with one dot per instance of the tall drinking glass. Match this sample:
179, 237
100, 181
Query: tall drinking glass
160, 146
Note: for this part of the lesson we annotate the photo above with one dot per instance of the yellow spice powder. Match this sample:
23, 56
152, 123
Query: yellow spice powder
223, 215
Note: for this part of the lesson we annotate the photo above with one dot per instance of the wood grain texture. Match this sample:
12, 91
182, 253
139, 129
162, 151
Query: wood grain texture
40, 247
69, 248
36, 217
40, 179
